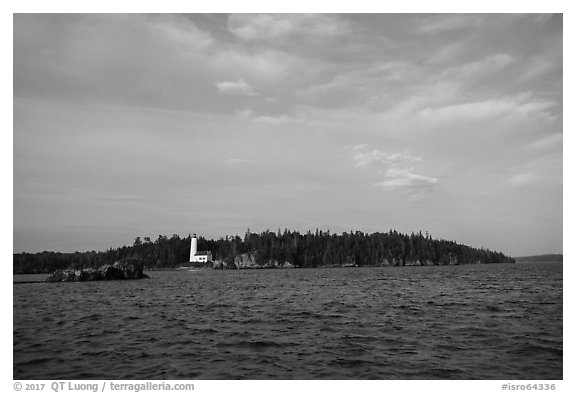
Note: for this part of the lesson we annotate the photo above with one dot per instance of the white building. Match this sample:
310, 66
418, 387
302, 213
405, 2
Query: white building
198, 256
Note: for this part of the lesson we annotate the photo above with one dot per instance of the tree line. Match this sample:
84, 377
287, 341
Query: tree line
311, 249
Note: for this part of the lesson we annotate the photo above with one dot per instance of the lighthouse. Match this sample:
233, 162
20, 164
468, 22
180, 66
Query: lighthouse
198, 256
193, 248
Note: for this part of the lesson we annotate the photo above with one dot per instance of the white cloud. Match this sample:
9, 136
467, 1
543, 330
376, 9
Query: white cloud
239, 87
489, 109
276, 119
521, 179
364, 158
397, 169
435, 24
270, 26
548, 141
407, 180
360, 82
267, 64
442, 23
181, 31
537, 67
303, 115
484, 66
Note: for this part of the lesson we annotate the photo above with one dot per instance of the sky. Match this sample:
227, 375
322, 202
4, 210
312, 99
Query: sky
139, 125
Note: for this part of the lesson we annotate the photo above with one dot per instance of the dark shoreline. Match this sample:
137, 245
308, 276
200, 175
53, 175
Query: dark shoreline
183, 269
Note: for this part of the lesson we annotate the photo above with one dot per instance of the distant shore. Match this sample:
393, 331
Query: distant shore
551, 258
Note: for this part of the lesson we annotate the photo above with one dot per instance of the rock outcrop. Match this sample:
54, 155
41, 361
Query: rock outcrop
62, 276
247, 260
126, 269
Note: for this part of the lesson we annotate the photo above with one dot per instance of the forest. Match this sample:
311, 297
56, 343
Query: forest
290, 248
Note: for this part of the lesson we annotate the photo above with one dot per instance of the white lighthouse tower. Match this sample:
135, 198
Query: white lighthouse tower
193, 248
198, 256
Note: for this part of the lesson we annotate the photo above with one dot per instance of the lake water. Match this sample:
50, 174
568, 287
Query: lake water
438, 322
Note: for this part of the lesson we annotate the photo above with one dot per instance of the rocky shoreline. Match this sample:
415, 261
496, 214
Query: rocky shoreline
126, 269
248, 261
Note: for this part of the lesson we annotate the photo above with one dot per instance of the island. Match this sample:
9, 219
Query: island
268, 249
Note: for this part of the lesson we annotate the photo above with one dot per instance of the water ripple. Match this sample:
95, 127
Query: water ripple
457, 322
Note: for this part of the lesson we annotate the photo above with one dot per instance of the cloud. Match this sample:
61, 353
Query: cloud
548, 141
397, 169
239, 87
522, 179
360, 83
538, 66
482, 67
249, 114
415, 187
493, 108
261, 64
444, 23
250, 27
437, 24
300, 115
181, 31
364, 158
406, 180
283, 119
